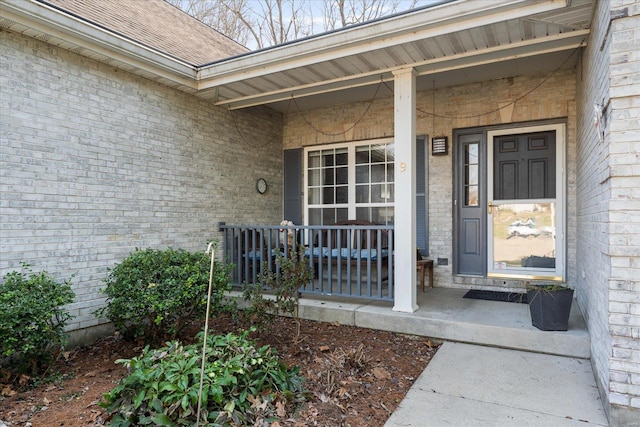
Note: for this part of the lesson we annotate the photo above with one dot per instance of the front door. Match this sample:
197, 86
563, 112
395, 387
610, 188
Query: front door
511, 215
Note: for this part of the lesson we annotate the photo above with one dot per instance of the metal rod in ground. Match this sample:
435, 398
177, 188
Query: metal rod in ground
211, 250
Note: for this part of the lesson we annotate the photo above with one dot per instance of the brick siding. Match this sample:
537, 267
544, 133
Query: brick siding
623, 128
608, 205
97, 162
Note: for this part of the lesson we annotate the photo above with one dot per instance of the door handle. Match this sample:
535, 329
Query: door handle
490, 208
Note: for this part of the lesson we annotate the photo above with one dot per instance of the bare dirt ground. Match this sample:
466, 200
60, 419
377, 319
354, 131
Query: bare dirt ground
356, 376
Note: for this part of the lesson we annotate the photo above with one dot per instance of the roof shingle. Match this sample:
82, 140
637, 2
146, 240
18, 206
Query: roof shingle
156, 24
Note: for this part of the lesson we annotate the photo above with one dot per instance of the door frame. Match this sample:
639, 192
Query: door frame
561, 208
485, 136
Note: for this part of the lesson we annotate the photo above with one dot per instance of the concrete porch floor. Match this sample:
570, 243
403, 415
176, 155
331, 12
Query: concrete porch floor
445, 314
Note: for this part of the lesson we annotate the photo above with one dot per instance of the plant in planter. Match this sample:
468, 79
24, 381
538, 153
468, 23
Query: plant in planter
550, 306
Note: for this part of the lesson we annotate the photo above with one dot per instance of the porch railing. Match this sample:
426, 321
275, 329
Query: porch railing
347, 260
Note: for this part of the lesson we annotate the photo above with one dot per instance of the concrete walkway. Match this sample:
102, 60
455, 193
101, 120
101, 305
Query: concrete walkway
495, 368
472, 385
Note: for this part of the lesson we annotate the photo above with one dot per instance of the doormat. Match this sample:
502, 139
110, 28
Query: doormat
497, 296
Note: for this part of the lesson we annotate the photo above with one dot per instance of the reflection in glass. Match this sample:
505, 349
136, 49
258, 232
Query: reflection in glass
386, 193
325, 216
315, 216
524, 236
314, 177
328, 176
328, 196
342, 175
362, 194
471, 195
472, 175
328, 157
362, 154
342, 194
377, 192
471, 154
377, 173
342, 214
471, 178
314, 196
378, 153
342, 157
362, 174
314, 159
328, 216
390, 152
381, 215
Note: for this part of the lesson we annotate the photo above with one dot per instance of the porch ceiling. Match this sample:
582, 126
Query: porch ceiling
449, 43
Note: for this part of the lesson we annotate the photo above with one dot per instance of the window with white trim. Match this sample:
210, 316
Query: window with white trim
350, 181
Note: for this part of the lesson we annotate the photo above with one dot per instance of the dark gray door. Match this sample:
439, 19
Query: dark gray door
470, 201
524, 166
504, 216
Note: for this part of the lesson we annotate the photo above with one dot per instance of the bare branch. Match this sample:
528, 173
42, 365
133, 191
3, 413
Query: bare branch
269, 22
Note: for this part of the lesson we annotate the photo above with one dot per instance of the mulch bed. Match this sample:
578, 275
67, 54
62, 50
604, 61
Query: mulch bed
356, 376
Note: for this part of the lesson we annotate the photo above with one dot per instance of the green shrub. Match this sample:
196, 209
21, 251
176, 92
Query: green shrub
153, 293
242, 384
284, 283
32, 320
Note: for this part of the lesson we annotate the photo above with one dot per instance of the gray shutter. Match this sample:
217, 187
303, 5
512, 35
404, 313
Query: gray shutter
422, 211
293, 185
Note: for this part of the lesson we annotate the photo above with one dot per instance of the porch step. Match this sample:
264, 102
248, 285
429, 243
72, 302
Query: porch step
445, 314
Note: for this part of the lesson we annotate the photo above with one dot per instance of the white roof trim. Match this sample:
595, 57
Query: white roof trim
424, 23
81, 33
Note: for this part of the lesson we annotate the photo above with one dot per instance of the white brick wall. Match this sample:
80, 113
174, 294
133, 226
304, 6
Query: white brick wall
608, 208
624, 228
96, 162
592, 195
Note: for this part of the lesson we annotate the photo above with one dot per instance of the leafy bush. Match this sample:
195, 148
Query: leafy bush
153, 293
32, 320
285, 283
242, 384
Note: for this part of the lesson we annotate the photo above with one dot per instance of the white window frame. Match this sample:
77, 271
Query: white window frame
351, 165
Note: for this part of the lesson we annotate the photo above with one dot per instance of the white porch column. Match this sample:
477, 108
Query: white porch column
405, 298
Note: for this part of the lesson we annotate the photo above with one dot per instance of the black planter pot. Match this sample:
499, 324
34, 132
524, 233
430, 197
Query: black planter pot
550, 308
